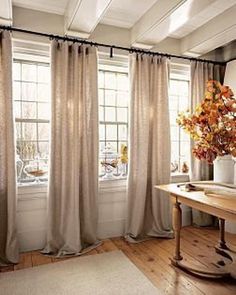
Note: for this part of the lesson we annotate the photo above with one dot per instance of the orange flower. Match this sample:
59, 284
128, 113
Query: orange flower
226, 92
213, 123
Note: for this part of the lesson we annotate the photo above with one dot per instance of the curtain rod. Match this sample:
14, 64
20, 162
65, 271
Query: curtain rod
82, 41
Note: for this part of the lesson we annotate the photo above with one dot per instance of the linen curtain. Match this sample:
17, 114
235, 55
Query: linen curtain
149, 157
8, 234
201, 72
73, 180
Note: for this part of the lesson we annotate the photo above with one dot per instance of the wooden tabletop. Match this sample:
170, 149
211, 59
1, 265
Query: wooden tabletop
216, 205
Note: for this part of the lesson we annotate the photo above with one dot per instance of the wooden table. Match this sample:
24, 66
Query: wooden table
224, 208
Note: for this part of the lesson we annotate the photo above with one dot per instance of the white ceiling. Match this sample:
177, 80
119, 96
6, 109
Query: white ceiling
51, 6
198, 25
125, 13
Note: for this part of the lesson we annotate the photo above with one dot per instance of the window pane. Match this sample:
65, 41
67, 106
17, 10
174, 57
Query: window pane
174, 87
173, 117
18, 131
122, 114
101, 146
101, 96
17, 91
43, 150
183, 103
101, 79
173, 103
43, 93
43, 74
101, 113
110, 97
122, 82
113, 145
183, 88
28, 110
185, 150
29, 72
111, 132
16, 71
178, 101
102, 132
175, 157
174, 133
17, 109
43, 131
123, 135
113, 107
29, 91
27, 149
110, 80
29, 131
122, 99
184, 136
110, 114
44, 111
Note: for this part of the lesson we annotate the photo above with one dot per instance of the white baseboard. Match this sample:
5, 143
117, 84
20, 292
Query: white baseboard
111, 229
32, 240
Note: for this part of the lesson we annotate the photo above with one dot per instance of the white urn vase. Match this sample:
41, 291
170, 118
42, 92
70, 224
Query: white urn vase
224, 171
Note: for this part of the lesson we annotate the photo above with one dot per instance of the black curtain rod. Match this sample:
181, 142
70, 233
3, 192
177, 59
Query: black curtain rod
82, 41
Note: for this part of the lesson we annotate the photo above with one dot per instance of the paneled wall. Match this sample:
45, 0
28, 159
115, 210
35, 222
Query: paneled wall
32, 212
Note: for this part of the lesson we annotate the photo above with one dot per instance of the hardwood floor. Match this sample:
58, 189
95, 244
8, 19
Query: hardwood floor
152, 258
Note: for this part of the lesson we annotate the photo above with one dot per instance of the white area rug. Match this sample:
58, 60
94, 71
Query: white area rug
101, 274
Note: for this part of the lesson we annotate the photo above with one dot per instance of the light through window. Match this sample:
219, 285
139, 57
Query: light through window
31, 94
180, 141
113, 127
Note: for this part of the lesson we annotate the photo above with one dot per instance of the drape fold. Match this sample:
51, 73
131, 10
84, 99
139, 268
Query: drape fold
73, 180
148, 213
8, 232
200, 73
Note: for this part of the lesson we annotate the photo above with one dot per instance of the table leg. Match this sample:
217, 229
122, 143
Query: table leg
177, 259
222, 243
177, 224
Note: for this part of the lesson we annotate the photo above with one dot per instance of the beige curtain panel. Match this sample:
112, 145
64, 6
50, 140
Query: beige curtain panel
8, 234
201, 72
73, 181
149, 158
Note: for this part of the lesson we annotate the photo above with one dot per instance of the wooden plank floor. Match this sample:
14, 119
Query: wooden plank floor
152, 258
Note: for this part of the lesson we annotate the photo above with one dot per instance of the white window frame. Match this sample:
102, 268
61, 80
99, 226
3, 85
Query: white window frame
180, 71
114, 123
119, 63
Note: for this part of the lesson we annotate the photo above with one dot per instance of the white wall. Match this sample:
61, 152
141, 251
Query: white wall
230, 80
32, 212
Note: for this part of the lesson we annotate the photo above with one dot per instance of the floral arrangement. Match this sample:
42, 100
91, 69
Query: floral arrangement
213, 123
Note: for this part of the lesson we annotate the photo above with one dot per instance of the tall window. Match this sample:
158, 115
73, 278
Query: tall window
113, 118
180, 141
31, 94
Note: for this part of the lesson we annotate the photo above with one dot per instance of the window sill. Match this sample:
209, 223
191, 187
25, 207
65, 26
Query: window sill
27, 190
179, 177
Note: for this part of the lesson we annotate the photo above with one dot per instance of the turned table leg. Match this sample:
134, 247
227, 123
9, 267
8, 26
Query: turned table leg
222, 243
177, 224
